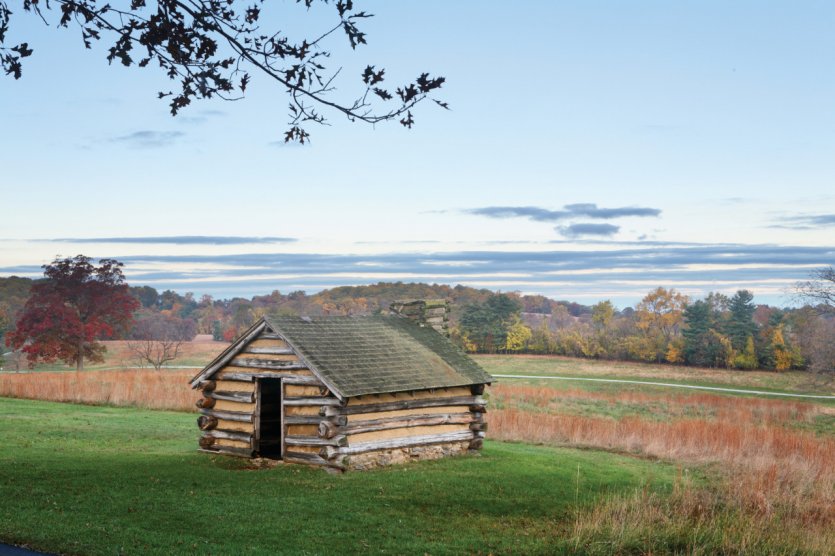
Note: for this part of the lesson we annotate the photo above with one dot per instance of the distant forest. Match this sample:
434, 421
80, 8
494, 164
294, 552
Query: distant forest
665, 327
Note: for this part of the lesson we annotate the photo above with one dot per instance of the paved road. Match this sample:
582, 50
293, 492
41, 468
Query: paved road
8, 550
672, 385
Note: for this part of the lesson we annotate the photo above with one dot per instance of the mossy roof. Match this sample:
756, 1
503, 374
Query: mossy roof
377, 354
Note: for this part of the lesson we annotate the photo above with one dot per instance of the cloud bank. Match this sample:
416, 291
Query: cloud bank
623, 272
178, 240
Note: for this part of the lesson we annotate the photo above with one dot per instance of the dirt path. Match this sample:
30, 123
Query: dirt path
672, 385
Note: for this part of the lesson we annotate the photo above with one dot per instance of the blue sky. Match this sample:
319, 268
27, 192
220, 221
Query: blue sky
594, 150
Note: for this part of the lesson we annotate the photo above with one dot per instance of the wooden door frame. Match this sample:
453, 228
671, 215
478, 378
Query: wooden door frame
257, 417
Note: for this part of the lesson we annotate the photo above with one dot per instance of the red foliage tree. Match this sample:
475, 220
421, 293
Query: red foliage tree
74, 306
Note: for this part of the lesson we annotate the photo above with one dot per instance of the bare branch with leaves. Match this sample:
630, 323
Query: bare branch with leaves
819, 289
211, 48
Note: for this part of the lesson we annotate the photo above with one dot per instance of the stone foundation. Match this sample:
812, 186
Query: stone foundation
371, 460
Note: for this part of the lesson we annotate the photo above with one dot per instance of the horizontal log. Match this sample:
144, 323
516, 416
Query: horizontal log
241, 397
289, 378
206, 422
328, 429
340, 440
295, 402
311, 459
479, 434
269, 350
478, 408
314, 420
272, 364
481, 427
229, 415
373, 425
270, 336
394, 443
205, 403
407, 404
477, 389
229, 451
206, 442
242, 436
207, 386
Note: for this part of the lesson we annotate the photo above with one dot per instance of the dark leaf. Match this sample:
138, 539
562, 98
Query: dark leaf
344, 7
425, 84
382, 93
23, 49
408, 121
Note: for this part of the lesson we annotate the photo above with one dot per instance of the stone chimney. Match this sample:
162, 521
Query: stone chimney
426, 312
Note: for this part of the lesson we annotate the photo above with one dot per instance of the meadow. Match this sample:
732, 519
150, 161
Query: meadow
708, 472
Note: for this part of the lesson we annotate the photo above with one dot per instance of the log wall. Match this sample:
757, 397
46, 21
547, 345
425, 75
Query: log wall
394, 428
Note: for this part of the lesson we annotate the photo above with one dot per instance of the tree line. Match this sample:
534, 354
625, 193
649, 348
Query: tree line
65, 314
664, 327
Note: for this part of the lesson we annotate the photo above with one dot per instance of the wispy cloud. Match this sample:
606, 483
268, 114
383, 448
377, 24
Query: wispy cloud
805, 222
586, 230
177, 240
199, 117
146, 139
578, 210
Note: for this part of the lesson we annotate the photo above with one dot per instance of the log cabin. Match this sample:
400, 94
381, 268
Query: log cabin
344, 393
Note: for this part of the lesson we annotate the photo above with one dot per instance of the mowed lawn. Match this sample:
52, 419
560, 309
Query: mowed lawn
78, 479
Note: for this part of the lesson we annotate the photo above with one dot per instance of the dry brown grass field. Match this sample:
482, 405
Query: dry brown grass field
773, 457
146, 388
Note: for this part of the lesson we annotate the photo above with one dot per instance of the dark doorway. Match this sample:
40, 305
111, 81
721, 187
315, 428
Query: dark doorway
272, 435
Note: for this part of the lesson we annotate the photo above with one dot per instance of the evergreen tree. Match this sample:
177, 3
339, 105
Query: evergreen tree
698, 317
741, 323
487, 324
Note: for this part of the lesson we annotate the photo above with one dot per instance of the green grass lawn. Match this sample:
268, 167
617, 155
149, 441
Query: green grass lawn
101, 480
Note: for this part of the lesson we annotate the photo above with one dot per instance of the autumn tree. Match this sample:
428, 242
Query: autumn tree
74, 306
157, 339
602, 314
661, 312
518, 336
660, 316
542, 340
211, 49
747, 358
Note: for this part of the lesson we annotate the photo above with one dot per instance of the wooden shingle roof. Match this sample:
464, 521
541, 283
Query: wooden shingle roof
375, 355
